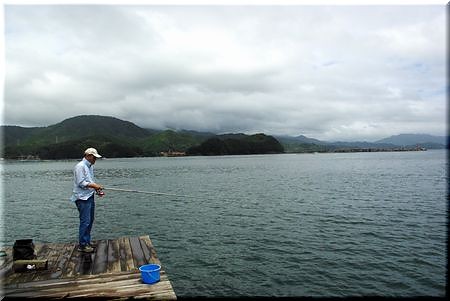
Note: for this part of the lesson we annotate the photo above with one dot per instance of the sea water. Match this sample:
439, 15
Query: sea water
347, 224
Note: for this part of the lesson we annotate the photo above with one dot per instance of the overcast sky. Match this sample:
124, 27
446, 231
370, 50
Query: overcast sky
327, 72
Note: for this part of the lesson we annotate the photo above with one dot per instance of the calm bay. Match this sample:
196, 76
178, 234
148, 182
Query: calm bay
348, 224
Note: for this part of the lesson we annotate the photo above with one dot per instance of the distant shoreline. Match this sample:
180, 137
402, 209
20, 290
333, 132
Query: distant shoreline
368, 150
374, 150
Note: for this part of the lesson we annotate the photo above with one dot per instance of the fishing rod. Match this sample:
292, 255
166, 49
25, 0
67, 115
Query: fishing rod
147, 192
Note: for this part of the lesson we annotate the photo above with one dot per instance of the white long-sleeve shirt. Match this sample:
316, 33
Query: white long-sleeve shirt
83, 174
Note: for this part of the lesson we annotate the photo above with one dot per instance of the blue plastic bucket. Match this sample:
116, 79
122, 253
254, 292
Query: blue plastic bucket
150, 273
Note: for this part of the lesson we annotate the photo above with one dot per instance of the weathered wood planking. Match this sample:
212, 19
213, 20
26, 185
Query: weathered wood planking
121, 285
112, 271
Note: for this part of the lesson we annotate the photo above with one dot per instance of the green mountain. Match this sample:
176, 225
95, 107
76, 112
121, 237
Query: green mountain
237, 144
92, 125
16, 135
111, 136
72, 129
170, 140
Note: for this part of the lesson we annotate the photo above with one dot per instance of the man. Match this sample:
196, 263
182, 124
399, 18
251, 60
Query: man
84, 188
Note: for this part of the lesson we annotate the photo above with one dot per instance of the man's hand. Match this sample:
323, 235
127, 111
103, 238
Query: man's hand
96, 186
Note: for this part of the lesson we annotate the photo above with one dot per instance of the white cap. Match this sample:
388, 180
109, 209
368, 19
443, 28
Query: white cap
92, 151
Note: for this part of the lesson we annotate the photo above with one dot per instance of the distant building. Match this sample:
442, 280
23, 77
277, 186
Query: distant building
172, 154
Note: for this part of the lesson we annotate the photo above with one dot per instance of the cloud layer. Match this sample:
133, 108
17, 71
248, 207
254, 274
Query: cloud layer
333, 73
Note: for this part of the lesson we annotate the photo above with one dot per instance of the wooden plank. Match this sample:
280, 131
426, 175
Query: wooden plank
63, 260
146, 250
101, 257
86, 263
6, 262
121, 289
33, 264
126, 256
149, 250
52, 254
138, 254
60, 288
113, 256
82, 279
120, 284
73, 265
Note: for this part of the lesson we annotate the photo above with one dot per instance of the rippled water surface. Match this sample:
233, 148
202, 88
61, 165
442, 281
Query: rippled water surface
273, 225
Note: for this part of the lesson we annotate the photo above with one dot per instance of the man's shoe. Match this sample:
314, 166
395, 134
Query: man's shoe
85, 249
92, 245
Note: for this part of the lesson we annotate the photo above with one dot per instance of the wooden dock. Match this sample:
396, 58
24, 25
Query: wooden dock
111, 272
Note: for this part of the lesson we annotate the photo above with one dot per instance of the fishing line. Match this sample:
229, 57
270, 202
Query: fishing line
147, 192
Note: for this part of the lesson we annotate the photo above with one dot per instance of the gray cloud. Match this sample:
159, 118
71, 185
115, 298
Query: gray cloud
330, 72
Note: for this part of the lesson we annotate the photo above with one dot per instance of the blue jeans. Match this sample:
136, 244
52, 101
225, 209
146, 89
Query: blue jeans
86, 208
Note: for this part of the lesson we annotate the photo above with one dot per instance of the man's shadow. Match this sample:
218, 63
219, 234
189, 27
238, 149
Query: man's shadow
86, 260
